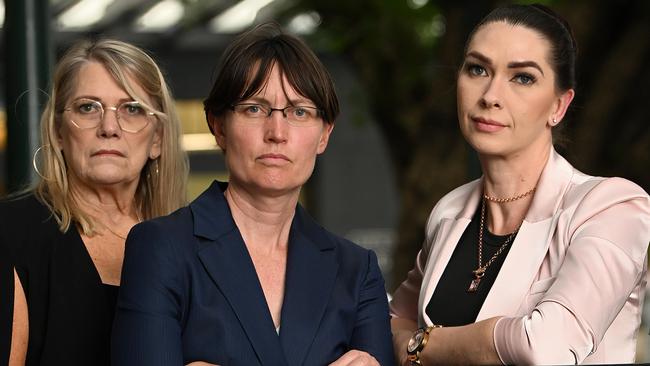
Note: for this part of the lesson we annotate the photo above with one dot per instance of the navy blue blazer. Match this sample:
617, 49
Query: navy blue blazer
189, 292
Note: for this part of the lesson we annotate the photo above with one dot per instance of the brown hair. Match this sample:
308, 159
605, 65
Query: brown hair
247, 63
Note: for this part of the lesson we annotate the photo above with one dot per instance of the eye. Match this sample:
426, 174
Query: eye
524, 79
133, 109
476, 70
302, 113
253, 108
86, 107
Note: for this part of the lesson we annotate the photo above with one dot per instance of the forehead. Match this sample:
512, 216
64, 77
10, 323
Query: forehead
274, 83
505, 42
94, 79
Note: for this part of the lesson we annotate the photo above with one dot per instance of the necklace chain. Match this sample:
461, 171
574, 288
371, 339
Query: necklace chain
508, 199
479, 272
115, 233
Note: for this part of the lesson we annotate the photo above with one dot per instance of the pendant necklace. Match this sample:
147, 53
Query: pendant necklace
479, 272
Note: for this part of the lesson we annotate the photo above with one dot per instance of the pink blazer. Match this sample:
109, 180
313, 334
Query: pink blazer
572, 286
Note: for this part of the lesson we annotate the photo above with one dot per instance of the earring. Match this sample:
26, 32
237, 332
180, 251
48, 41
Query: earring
35, 165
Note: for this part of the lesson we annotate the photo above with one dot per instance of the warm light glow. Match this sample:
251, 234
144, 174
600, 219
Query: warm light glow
238, 17
2, 14
199, 142
304, 23
161, 16
84, 14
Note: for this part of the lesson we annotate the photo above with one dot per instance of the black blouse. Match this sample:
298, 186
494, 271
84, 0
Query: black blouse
451, 304
70, 310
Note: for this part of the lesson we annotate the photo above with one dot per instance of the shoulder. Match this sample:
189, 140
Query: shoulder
23, 207
614, 210
28, 227
450, 205
588, 193
349, 255
173, 230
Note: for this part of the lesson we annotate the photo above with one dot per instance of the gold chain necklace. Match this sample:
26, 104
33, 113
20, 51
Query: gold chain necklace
507, 199
114, 233
479, 272
118, 235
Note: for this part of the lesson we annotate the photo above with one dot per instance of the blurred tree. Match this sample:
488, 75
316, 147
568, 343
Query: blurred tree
406, 53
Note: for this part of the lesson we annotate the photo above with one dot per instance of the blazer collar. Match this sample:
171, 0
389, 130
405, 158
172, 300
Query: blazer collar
309, 279
211, 213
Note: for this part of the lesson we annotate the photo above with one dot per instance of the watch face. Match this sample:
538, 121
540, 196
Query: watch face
415, 341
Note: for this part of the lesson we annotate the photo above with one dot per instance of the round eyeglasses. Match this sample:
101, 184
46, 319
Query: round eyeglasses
296, 115
88, 113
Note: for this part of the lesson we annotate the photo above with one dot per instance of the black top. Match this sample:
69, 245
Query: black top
70, 310
451, 304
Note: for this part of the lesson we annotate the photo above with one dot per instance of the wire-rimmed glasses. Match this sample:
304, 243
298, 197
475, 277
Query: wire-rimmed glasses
296, 115
88, 113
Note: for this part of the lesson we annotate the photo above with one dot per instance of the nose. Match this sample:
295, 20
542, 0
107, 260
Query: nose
109, 125
276, 127
492, 97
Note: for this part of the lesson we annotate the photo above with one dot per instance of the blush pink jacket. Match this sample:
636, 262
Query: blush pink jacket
572, 286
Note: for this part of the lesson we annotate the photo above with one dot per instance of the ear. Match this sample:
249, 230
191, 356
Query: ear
325, 137
156, 145
217, 128
561, 106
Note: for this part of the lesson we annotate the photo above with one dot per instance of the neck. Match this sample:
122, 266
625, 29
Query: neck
263, 221
110, 203
511, 176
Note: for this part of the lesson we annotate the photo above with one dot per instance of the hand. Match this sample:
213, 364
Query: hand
355, 358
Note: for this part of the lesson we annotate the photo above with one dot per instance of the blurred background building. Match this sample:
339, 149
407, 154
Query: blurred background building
396, 148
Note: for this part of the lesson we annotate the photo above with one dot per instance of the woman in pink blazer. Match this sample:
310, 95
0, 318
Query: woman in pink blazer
535, 262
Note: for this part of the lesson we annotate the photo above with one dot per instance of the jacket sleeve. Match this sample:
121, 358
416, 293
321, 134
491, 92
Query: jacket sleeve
372, 328
147, 325
607, 236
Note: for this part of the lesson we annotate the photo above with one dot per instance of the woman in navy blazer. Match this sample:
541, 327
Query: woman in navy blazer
243, 276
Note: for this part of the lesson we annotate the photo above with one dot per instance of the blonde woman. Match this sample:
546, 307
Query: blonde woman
110, 158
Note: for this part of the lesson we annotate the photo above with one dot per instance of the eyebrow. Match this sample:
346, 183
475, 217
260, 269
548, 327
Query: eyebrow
298, 101
100, 100
511, 65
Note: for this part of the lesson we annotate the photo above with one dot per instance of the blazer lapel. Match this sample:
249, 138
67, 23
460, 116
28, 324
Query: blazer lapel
311, 274
442, 247
532, 242
229, 265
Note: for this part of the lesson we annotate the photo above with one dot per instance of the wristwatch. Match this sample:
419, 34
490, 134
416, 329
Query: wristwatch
417, 343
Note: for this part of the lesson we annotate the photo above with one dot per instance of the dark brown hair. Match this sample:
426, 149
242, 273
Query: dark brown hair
247, 62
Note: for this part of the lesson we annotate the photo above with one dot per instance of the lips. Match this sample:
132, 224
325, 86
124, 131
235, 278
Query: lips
107, 153
487, 125
274, 156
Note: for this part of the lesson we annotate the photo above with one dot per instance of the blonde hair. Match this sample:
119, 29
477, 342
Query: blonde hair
163, 181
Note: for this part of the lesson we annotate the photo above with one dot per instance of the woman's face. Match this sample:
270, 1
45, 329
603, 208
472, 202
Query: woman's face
105, 155
507, 100
269, 155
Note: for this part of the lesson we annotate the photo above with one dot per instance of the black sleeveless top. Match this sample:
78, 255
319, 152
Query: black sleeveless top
70, 310
451, 304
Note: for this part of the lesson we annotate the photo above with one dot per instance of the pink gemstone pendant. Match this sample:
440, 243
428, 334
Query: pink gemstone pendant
473, 286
